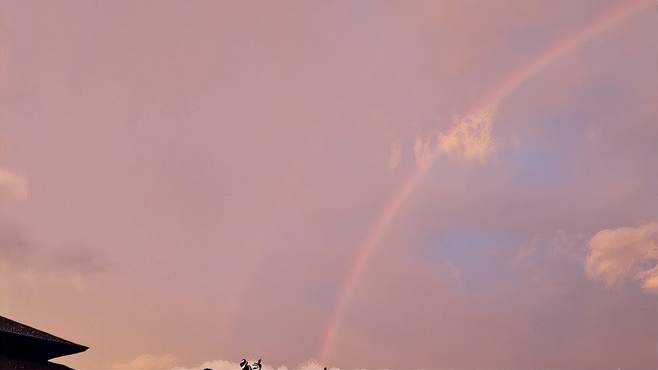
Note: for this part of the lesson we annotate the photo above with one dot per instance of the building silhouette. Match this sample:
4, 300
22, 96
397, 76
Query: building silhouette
24, 347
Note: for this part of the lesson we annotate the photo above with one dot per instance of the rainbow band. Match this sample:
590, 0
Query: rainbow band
488, 104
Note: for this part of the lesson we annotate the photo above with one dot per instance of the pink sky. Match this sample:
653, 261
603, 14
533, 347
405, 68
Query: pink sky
183, 182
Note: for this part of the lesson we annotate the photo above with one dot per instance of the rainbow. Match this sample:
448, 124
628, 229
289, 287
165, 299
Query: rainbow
488, 104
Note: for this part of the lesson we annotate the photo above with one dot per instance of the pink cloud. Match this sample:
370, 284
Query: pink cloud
468, 139
623, 253
14, 185
148, 362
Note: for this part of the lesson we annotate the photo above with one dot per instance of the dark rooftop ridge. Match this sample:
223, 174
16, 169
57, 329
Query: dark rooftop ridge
25, 342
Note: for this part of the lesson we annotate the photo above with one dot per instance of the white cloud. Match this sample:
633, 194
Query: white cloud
214, 365
149, 362
229, 365
624, 253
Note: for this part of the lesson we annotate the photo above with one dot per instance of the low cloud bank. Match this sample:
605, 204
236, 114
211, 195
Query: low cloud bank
169, 362
148, 361
228, 365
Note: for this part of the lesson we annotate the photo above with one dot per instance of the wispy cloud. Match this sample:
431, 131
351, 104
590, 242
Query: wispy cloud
624, 253
395, 155
14, 248
150, 362
469, 139
13, 185
23, 262
560, 244
423, 151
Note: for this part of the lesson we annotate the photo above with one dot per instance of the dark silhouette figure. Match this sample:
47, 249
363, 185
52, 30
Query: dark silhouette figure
244, 365
257, 365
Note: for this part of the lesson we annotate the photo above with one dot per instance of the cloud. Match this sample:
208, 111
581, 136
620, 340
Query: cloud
215, 365
423, 151
14, 249
395, 155
229, 365
13, 185
624, 253
560, 245
469, 139
23, 262
80, 261
149, 362
650, 279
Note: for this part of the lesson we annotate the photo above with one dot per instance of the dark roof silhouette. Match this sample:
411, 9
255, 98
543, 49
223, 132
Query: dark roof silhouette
24, 342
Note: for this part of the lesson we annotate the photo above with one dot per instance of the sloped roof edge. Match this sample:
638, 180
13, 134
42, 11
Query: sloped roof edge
54, 346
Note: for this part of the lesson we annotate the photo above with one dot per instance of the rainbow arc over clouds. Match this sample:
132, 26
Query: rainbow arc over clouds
485, 108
